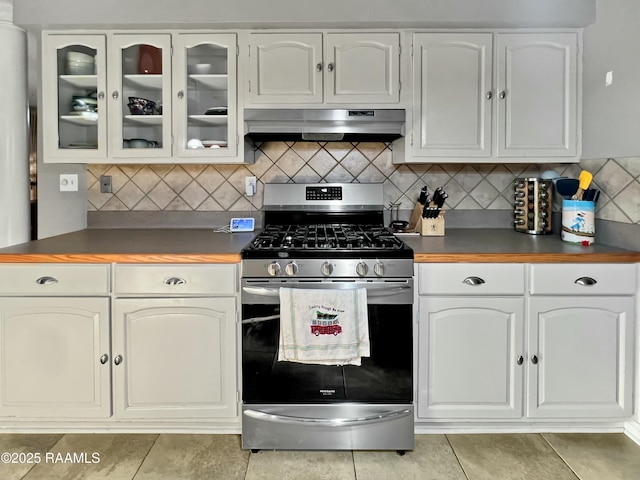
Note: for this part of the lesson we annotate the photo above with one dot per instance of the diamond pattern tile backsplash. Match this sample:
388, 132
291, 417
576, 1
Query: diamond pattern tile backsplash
470, 187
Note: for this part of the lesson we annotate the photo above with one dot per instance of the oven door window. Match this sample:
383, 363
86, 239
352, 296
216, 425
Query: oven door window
385, 377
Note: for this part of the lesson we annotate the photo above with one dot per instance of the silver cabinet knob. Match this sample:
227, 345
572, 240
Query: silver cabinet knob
520, 360
319, 67
104, 359
181, 94
534, 359
361, 269
378, 269
489, 95
586, 281
273, 269
115, 95
330, 67
473, 281
175, 281
118, 360
101, 96
46, 280
291, 269
326, 269
502, 94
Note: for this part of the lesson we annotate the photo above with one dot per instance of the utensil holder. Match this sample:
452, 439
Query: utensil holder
432, 227
578, 222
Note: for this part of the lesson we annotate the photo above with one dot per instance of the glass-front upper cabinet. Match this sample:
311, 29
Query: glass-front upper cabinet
139, 96
205, 97
74, 100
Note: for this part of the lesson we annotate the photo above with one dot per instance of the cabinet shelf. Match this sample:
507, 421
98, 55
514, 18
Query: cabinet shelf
208, 119
153, 82
210, 81
80, 81
142, 120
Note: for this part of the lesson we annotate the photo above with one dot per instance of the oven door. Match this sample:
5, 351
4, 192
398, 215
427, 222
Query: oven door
383, 378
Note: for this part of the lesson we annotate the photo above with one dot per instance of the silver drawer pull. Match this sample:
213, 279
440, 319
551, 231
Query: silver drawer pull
586, 281
473, 281
175, 281
46, 280
104, 359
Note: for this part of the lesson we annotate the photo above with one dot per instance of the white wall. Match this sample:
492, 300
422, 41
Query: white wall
406, 13
611, 114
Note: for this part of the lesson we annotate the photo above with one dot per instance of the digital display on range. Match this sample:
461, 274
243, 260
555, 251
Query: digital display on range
323, 193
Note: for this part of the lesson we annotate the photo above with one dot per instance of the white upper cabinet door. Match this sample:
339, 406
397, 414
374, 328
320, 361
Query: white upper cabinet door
285, 68
537, 95
140, 66
73, 98
205, 99
453, 97
362, 68
581, 357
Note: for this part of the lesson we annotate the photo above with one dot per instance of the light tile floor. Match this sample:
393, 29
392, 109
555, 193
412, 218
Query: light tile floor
220, 457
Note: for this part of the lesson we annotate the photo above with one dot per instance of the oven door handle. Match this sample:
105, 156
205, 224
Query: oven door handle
328, 422
382, 291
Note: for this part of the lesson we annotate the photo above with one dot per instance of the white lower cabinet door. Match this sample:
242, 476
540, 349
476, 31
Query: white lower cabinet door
580, 357
470, 357
175, 358
54, 357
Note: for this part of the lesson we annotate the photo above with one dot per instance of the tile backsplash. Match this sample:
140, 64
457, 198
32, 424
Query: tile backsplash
219, 188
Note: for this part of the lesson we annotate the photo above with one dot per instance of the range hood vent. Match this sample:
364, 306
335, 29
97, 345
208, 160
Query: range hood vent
324, 125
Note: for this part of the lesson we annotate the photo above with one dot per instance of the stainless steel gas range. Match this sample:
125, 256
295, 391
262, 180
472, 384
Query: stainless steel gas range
331, 238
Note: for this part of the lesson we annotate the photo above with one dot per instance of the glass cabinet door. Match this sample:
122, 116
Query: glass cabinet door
140, 96
74, 104
205, 96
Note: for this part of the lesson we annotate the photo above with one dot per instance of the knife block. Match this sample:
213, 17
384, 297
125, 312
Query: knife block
432, 227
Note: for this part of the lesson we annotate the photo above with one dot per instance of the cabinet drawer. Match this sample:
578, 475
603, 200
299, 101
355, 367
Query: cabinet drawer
471, 279
175, 279
583, 279
54, 279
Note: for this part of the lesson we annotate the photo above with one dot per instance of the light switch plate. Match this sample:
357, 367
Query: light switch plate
69, 182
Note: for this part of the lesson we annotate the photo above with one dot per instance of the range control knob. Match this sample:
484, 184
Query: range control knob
378, 269
326, 269
291, 269
273, 269
362, 269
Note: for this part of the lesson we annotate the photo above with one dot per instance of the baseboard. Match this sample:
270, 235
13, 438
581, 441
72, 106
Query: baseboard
632, 430
522, 428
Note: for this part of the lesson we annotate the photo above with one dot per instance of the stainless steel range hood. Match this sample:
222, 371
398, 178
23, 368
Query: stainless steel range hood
382, 125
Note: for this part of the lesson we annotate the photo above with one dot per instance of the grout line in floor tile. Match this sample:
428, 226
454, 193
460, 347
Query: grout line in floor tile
353, 461
561, 457
34, 465
145, 456
453, 450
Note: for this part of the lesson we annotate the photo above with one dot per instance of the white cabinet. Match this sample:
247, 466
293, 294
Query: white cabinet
508, 97
175, 357
312, 68
580, 341
194, 95
488, 349
174, 347
470, 357
70, 135
54, 344
205, 105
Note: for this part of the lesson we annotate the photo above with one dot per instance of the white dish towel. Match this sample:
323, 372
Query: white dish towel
327, 327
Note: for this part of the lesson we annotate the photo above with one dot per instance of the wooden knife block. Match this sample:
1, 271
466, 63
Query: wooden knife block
432, 227
415, 219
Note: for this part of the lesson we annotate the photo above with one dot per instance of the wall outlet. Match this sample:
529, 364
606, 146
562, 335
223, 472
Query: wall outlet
69, 182
105, 184
251, 186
